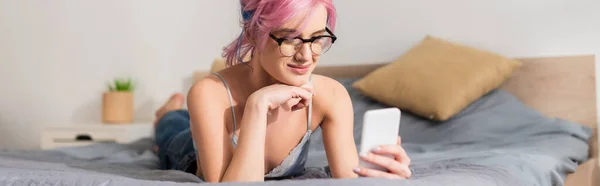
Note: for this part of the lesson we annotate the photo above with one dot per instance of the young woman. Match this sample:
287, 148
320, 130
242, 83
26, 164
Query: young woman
252, 121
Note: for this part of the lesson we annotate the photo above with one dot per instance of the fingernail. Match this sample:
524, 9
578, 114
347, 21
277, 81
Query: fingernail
356, 169
376, 149
363, 154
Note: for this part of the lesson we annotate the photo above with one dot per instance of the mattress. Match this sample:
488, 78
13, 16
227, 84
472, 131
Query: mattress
496, 140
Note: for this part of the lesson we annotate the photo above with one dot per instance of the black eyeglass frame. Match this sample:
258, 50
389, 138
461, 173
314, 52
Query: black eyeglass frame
312, 39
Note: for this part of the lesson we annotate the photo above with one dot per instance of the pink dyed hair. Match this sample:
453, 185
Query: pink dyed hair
260, 17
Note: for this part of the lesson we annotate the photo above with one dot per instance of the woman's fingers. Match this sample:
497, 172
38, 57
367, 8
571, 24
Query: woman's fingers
366, 172
302, 93
309, 87
388, 163
398, 162
294, 97
404, 171
305, 93
300, 98
395, 150
294, 104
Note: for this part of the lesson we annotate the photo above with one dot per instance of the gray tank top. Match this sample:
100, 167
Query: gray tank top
294, 163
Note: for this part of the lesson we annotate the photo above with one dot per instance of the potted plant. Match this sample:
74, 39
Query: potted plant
117, 102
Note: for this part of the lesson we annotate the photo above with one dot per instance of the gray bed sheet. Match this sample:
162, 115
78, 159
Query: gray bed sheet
495, 141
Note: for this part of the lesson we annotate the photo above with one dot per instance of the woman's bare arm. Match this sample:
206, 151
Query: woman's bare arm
338, 127
248, 162
218, 163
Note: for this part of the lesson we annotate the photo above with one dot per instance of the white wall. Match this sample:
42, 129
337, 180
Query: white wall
56, 56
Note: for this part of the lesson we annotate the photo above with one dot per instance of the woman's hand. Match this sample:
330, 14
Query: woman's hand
279, 95
397, 166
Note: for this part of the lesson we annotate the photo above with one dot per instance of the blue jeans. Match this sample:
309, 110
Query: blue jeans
174, 140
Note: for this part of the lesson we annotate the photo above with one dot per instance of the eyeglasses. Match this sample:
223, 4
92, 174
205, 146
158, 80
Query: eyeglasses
318, 44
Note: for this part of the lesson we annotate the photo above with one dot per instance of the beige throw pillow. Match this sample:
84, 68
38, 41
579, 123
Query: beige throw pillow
437, 79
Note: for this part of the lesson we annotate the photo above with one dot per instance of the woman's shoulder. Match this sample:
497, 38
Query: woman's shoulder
206, 83
328, 90
327, 84
209, 88
216, 81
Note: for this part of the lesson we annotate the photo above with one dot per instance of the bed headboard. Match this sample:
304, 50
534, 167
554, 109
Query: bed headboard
563, 87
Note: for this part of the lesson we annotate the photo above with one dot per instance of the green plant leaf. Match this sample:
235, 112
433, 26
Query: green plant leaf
122, 85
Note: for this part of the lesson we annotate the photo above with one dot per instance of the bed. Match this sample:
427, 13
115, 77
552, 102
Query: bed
562, 87
539, 128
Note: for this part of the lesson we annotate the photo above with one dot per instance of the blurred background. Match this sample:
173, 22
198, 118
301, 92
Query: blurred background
57, 56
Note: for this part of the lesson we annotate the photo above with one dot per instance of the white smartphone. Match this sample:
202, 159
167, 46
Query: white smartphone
380, 127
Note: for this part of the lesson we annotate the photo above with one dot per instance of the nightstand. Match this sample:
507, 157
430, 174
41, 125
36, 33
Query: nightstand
85, 134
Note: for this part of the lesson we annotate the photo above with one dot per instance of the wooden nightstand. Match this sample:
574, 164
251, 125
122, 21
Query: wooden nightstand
86, 134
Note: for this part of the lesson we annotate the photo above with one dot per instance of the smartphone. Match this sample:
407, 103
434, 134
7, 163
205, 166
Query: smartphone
380, 127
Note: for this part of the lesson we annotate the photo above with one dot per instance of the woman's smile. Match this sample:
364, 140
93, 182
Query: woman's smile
299, 69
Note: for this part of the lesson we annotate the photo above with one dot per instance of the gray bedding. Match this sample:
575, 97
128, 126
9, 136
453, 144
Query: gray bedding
495, 141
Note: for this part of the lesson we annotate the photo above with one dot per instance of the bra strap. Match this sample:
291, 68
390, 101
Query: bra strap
234, 137
309, 109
